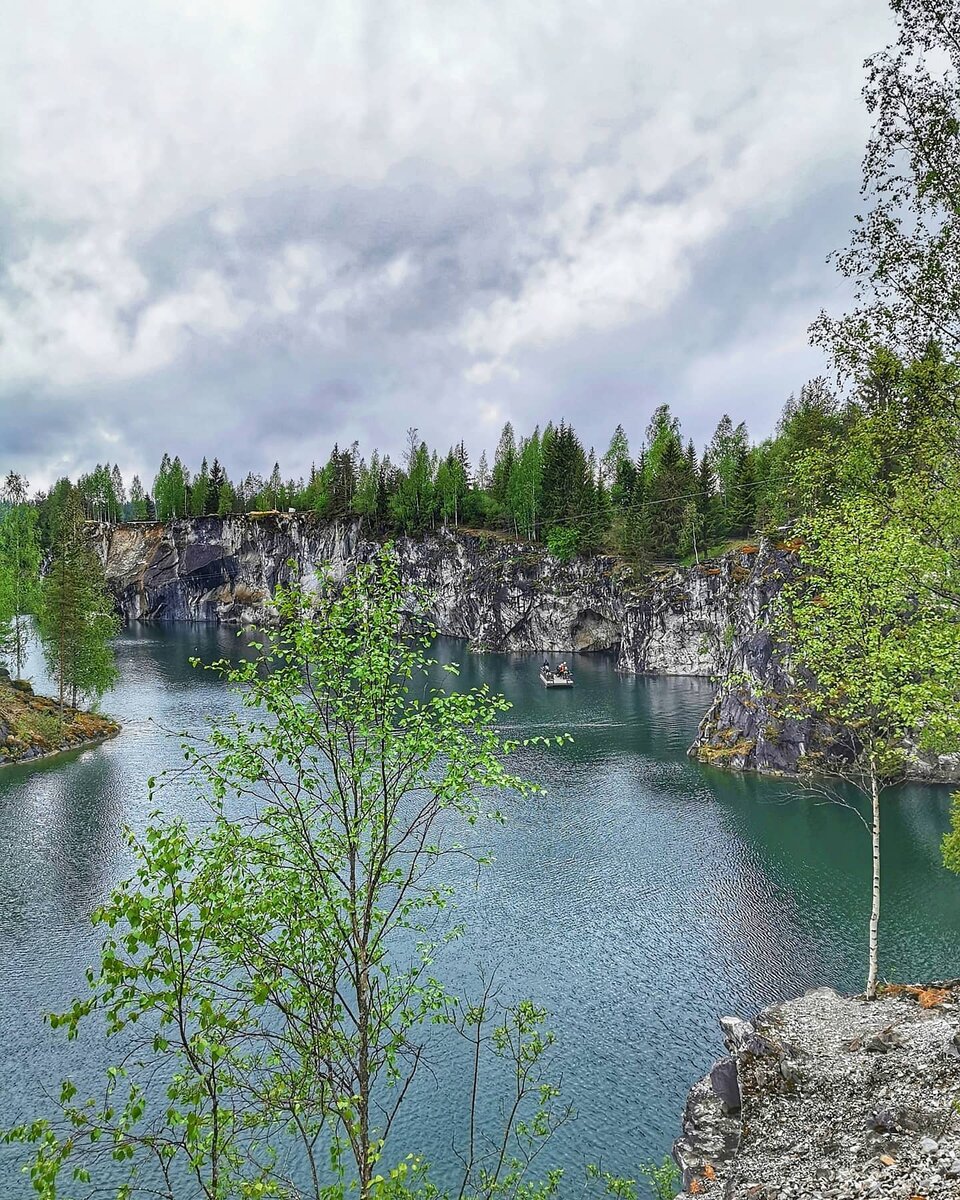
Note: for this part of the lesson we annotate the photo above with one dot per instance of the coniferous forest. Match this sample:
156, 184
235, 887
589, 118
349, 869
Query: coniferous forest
665, 498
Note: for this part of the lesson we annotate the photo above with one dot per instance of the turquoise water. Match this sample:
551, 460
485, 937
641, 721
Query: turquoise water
640, 899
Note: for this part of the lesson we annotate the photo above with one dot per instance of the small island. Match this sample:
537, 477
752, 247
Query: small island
31, 727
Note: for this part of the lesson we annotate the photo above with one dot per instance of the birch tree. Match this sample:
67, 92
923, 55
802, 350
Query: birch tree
272, 978
875, 652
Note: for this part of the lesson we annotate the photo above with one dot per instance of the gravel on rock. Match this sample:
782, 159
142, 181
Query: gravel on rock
840, 1098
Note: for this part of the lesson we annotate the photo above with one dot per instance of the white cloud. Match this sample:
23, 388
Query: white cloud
587, 155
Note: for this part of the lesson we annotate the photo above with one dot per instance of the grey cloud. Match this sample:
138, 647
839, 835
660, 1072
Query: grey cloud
563, 222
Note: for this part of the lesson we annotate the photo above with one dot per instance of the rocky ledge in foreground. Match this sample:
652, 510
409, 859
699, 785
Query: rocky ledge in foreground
30, 725
832, 1096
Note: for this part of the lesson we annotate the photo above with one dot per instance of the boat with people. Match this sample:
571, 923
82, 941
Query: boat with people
559, 678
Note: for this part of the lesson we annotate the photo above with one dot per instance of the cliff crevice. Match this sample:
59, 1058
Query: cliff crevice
498, 594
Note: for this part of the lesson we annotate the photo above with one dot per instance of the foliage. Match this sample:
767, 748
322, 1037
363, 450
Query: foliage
663, 1178
904, 253
75, 618
19, 569
875, 650
950, 845
269, 978
563, 543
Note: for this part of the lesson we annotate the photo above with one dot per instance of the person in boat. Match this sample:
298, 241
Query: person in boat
562, 669
546, 668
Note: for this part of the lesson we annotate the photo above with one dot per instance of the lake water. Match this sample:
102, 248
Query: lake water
643, 897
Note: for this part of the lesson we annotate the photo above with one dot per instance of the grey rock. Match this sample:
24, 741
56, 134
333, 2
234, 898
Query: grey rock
497, 594
884, 1040
723, 1079
856, 1105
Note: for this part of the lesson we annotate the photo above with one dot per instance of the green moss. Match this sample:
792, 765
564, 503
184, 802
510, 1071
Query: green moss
32, 724
722, 755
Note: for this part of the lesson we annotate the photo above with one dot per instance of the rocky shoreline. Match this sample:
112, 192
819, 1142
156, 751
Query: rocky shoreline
834, 1097
31, 729
497, 593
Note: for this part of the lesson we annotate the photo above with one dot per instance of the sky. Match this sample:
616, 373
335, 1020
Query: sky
253, 228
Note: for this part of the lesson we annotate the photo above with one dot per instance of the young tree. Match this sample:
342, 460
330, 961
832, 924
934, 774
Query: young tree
199, 491
483, 472
452, 483
274, 488
504, 461
271, 978
76, 619
119, 492
226, 500
691, 530
728, 460
904, 254
876, 657
525, 486
614, 458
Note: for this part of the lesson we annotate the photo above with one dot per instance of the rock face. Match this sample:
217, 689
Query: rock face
745, 727
498, 594
711, 621
750, 725
831, 1096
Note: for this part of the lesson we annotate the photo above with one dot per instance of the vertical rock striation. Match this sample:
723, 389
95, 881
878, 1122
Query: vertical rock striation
498, 594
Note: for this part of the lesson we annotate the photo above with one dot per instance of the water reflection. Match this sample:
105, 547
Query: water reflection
642, 896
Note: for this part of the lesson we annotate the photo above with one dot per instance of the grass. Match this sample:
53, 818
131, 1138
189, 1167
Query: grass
30, 725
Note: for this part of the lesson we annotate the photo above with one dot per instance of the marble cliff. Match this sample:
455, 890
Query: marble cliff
498, 594
710, 620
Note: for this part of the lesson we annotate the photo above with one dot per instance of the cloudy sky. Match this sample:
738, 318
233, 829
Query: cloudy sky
250, 228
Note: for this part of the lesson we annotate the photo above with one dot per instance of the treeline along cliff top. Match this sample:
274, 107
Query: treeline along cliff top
666, 500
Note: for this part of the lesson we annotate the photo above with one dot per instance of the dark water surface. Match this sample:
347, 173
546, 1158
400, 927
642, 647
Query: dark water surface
640, 899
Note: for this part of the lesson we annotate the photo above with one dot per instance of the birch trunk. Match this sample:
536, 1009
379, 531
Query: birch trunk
875, 907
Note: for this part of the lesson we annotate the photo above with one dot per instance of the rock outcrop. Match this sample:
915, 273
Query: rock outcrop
31, 727
752, 724
831, 1097
498, 594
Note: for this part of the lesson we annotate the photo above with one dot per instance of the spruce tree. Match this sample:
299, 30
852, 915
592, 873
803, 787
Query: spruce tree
216, 481
76, 618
